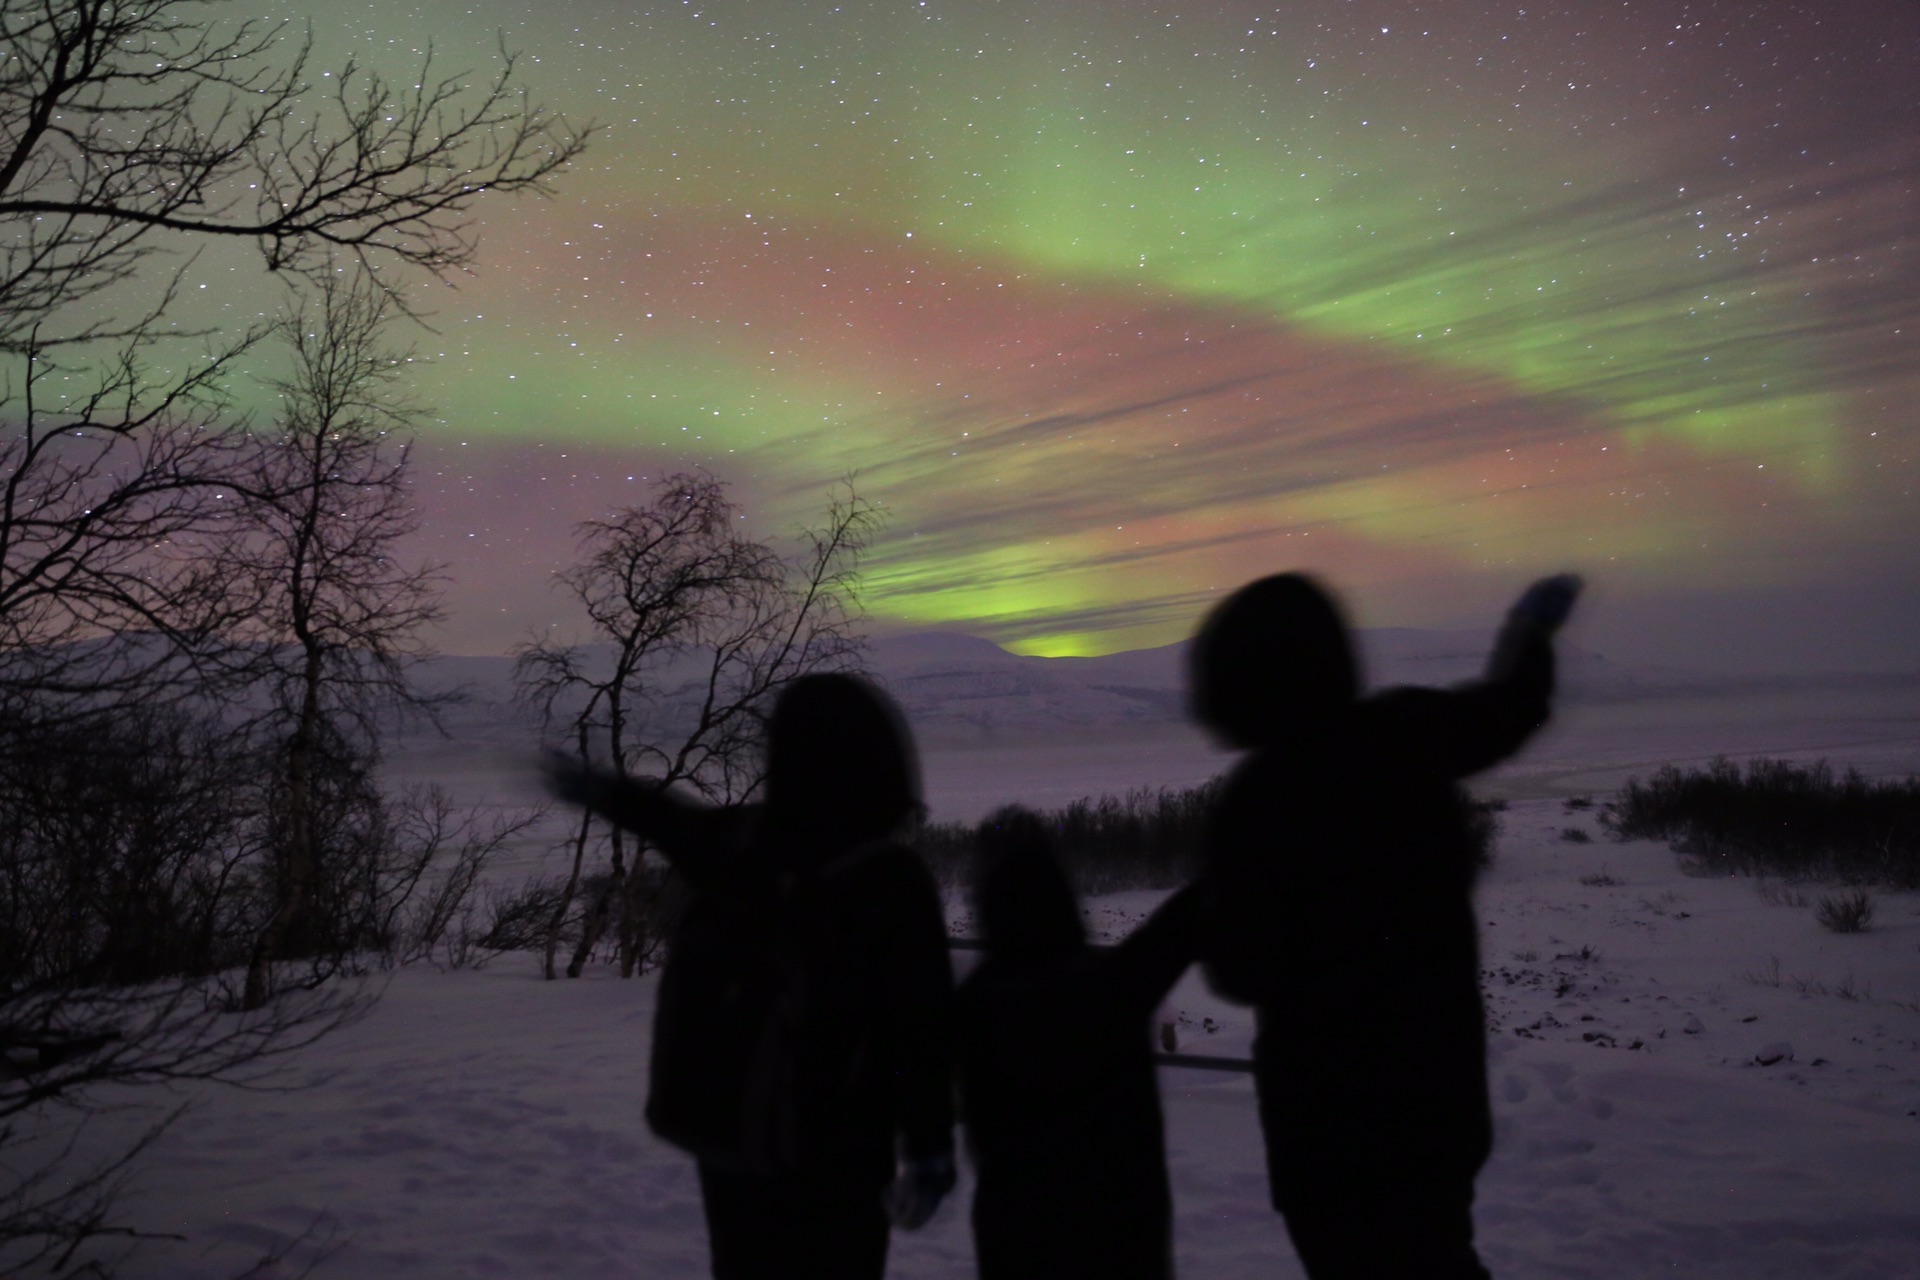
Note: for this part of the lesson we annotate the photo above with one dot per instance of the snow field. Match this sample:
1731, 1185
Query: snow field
480, 1124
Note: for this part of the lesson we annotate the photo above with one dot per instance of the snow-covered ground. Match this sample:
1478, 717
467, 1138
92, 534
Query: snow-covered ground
1689, 1075
488, 1124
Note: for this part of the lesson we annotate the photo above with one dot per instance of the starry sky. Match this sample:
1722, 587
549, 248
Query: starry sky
1116, 305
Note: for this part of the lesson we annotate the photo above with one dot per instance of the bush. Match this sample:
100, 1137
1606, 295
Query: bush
1147, 839
517, 919
1780, 894
137, 848
626, 917
1778, 818
1845, 913
140, 845
129, 849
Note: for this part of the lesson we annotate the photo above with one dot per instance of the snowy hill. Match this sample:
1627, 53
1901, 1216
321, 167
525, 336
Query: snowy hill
995, 727
955, 686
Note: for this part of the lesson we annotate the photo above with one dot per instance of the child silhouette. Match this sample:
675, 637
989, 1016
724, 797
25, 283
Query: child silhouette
1058, 1092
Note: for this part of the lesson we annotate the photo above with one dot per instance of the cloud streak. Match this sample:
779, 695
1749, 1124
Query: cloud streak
1111, 314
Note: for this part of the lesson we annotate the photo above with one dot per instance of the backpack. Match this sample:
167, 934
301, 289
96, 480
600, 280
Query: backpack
726, 1071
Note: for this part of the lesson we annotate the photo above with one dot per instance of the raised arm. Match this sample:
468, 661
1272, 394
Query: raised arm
1148, 961
694, 837
1460, 731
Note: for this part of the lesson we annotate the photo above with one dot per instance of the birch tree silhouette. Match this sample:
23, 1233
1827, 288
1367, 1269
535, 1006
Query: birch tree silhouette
133, 134
694, 629
333, 616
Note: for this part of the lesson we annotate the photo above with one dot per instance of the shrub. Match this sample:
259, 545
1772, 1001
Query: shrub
1778, 818
625, 916
1845, 912
1574, 835
1779, 894
517, 919
129, 847
1146, 839
140, 845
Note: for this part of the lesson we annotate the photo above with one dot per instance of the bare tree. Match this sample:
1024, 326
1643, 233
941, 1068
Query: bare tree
69, 1053
124, 120
98, 491
694, 628
132, 134
333, 618
131, 131
126, 849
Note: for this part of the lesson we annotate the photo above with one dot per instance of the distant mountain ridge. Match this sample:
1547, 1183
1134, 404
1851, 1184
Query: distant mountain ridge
957, 686
949, 681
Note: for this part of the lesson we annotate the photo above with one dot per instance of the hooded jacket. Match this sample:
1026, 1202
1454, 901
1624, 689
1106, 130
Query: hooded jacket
873, 1056
1343, 865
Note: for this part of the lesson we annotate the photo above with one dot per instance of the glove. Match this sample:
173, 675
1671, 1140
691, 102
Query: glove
917, 1192
569, 780
1536, 615
1547, 602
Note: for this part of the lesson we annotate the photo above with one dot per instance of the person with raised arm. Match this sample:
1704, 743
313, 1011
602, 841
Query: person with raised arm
1342, 867
802, 1042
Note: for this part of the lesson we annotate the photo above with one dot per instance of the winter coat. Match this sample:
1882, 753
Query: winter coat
1343, 864
874, 1049
1062, 1106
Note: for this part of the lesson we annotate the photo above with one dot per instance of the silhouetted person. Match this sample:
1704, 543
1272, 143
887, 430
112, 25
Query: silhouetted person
1058, 1092
867, 1075
1342, 870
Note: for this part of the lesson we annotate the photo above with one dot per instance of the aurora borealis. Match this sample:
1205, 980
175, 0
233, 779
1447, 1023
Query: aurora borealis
1116, 305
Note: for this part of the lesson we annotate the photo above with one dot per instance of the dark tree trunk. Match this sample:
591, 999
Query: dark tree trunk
296, 864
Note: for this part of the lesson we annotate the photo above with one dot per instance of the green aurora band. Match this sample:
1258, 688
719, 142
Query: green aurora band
1115, 305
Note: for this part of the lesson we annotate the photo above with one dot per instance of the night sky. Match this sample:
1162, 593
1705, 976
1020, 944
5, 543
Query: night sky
1115, 306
